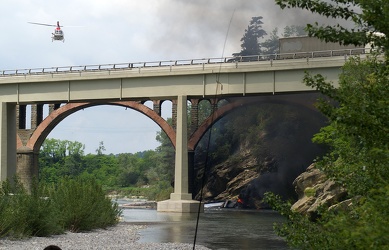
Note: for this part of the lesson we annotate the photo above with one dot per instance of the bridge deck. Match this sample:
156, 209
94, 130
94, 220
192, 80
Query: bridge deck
202, 77
172, 63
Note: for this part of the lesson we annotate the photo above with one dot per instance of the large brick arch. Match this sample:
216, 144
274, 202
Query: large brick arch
55, 117
240, 102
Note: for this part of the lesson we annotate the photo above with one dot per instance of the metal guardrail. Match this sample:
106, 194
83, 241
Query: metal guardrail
174, 63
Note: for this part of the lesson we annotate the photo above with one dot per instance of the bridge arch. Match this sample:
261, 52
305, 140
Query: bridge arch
55, 117
19, 142
240, 102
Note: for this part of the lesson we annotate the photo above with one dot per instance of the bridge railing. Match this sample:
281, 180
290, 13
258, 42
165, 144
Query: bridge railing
174, 63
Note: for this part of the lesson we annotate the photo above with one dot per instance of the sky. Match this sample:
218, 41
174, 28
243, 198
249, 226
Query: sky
122, 31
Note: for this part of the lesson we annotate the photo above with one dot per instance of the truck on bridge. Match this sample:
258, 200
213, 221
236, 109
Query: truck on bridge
305, 46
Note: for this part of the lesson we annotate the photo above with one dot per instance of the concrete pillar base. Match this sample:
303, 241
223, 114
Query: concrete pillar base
180, 206
27, 166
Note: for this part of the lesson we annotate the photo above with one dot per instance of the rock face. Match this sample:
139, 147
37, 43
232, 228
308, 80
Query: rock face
261, 148
227, 179
314, 189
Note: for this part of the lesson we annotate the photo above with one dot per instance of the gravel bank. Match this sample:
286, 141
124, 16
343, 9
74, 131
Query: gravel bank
122, 236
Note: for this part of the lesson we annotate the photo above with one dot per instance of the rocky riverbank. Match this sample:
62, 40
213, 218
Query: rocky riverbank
122, 236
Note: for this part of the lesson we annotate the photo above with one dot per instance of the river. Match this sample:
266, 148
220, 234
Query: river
218, 229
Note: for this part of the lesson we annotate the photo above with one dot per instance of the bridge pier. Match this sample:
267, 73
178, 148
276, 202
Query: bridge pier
27, 166
181, 200
7, 140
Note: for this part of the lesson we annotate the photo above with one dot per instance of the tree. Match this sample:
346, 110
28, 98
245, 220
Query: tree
369, 18
271, 45
101, 148
60, 157
129, 170
250, 40
358, 131
358, 134
359, 126
166, 156
294, 30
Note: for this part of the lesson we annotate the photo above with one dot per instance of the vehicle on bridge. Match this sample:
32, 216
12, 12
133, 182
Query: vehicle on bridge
305, 46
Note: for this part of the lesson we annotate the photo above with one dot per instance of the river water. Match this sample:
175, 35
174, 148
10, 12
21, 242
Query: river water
219, 229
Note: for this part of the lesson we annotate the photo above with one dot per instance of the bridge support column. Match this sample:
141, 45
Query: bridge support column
7, 140
27, 166
194, 110
181, 200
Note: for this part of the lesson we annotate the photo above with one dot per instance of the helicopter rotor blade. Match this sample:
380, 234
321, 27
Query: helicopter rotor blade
72, 26
44, 24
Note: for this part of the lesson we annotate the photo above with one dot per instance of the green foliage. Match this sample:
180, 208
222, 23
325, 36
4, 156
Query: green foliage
368, 17
358, 112
205, 110
74, 205
165, 159
250, 40
100, 149
359, 125
83, 205
271, 45
363, 227
60, 159
294, 30
298, 230
158, 192
358, 137
139, 169
309, 192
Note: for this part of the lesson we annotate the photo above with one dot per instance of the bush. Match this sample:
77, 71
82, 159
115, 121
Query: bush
26, 214
363, 227
159, 192
75, 205
83, 206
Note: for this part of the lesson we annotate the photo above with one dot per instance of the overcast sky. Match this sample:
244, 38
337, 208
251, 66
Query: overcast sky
119, 31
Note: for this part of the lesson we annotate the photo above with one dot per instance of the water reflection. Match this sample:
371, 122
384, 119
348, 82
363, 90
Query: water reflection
218, 228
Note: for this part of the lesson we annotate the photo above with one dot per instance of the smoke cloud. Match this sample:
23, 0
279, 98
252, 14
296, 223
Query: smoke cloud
203, 26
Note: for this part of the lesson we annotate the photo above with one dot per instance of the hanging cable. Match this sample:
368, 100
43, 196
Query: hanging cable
213, 109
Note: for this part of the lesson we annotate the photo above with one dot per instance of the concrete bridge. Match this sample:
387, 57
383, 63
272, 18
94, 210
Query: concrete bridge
131, 85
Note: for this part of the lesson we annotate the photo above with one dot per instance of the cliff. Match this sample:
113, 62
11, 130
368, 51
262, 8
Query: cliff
255, 150
314, 189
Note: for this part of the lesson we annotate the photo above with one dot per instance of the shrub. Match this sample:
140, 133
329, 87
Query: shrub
73, 204
82, 205
26, 214
159, 192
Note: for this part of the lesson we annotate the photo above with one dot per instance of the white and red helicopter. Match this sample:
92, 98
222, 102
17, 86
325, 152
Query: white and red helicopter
58, 34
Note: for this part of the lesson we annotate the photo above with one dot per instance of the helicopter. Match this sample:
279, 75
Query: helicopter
58, 34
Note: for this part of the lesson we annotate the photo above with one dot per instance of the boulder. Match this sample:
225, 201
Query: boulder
314, 190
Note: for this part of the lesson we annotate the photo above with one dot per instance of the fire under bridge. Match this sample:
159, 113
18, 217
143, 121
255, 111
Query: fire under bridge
68, 89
